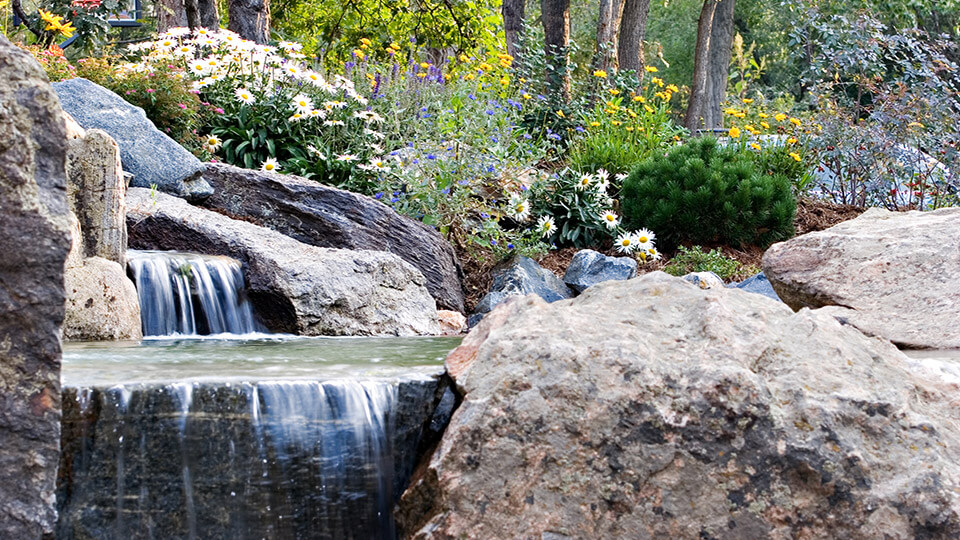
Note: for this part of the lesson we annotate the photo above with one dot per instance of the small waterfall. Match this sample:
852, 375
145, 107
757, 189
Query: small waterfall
189, 294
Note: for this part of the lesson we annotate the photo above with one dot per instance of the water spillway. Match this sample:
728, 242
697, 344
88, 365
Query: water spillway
188, 293
269, 438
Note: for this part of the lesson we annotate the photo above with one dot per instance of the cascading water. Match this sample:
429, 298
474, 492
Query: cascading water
188, 294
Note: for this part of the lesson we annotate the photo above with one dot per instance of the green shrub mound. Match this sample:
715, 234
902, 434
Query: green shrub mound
702, 194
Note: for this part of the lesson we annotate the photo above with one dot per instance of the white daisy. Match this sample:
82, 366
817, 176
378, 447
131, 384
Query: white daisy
368, 116
584, 182
610, 219
212, 144
375, 165
546, 226
518, 208
198, 67
296, 117
302, 104
244, 96
625, 243
270, 165
644, 236
331, 105
346, 158
333, 123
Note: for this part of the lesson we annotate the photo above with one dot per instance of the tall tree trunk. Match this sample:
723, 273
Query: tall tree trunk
608, 25
633, 27
701, 61
556, 28
193, 13
209, 14
170, 14
513, 15
721, 51
250, 19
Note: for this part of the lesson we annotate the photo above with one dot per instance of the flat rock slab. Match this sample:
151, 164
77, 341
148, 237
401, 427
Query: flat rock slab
325, 216
294, 287
146, 152
651, 408
34, 241
890, 274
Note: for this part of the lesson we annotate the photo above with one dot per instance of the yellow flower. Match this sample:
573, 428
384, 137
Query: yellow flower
795, 122
657, 81
915, 125
613, 91
360, 54
421, 75
486, 67
651, 69
639, 99
600, 73
424, 65
365, 42
731, 111
616, 122
446, 76
795, 156
780, 117
465, 59
648, 108
395, 46
755, 146
560, 114
66, 29
48, 17
673, 88
763, 115
594, 124
631, 113
734, 132
526, 96
765, 125
505, 80
747, 101
469, 77
749, 128
628, 128
792, 140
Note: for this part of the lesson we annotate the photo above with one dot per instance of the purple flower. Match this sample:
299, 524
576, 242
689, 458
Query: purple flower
509, 246
378, 196
493, 242
431, 157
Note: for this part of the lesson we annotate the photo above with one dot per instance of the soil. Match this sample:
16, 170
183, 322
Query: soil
812, 215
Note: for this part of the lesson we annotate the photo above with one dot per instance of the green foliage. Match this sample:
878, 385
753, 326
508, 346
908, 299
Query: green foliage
694, 259
332, 30
703, 194
577, 203
167, 101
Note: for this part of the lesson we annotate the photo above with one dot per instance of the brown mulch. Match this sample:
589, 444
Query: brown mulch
812, 215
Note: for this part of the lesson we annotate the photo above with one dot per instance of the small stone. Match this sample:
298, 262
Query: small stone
758, 284
452, 323
704, 280
520, 276
589, 267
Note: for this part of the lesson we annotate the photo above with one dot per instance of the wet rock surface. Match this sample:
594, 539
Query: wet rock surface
241, 461
149, 154
323, 216
890, 274
589, 267
520, 276
294, 288
650, 408
34, 240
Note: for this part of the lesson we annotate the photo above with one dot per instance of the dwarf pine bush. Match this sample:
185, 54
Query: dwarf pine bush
703, 194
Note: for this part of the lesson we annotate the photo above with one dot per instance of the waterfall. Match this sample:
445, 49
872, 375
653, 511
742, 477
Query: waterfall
189, 294
271, 459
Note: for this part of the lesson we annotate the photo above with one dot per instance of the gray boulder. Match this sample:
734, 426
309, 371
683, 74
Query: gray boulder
149, 154
758, 284
34, 241
324, 216
890, 274
589, 267
704, 280
520, 276
294, 287
651, 408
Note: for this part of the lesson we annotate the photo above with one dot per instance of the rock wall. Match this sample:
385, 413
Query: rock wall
34, 241
651, 408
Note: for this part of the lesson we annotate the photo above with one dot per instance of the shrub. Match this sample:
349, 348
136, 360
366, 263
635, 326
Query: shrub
702, 194
694, 259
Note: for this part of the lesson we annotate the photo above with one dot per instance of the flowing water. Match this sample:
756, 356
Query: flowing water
187, 294
261, 437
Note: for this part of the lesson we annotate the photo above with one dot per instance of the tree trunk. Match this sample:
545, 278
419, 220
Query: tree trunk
556, 28
721, 51
513, 16
633, 27
250, 19
193, 13
170, 14
209, 15
608, 25
701, 61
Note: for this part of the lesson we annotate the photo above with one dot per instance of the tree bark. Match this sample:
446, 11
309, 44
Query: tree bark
250, 19
170, 14
721, 51
513, 15
193, 13
701, 61
608, 26
556, 28
633, 27
209, 14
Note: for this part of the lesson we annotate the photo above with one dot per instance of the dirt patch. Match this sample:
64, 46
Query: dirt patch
816, 215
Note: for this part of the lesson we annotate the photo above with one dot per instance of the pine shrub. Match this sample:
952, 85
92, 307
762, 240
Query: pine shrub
700, 193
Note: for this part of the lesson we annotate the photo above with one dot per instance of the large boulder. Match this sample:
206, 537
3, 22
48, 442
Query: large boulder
652, 408
324, 216
149, 154
519, 276
34, 241
293, 287
590, 267
890, 274
102, 302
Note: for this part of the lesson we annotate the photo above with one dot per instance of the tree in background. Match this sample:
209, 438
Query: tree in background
633, 27
555, 15
608, 29
513, 16
711, 65
250, 19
